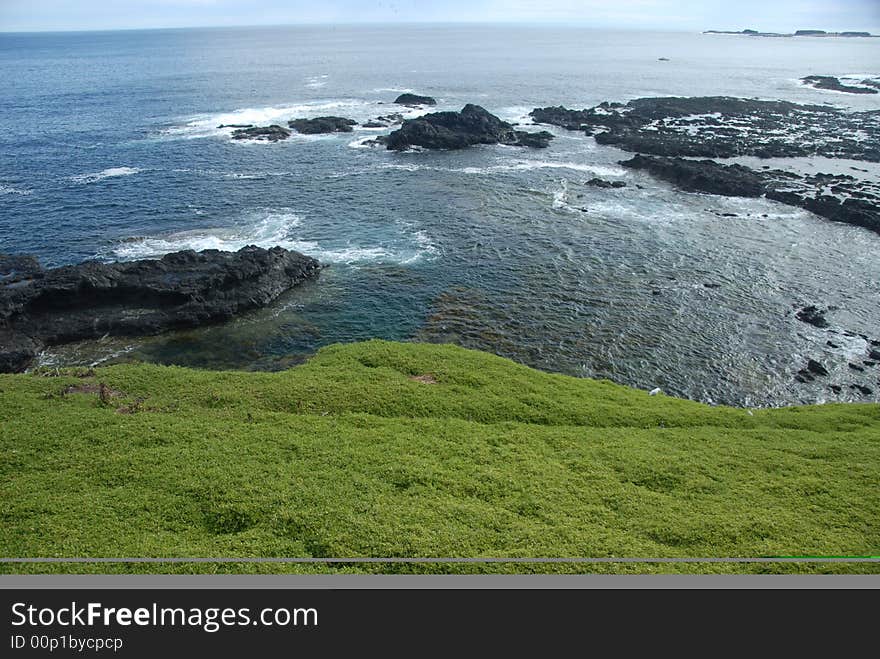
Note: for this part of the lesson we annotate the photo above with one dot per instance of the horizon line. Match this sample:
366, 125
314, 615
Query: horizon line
369, 23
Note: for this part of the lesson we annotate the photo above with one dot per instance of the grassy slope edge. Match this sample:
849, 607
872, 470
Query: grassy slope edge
354, 454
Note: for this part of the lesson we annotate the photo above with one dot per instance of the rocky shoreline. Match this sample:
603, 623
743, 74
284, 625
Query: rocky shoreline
39, 308
676, 140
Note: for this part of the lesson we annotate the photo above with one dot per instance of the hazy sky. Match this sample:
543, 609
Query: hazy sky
661, 14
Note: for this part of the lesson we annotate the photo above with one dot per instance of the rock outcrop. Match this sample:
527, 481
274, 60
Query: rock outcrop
457, 130
414, 100
322, 125
184, 289
273, 133
701, 175
833, 84
724, 127
602, 183
852, 202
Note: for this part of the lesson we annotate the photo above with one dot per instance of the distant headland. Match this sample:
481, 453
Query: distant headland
798, 33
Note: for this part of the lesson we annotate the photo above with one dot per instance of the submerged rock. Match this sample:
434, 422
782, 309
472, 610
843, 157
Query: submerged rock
602, 183
180, 290
539, 140
414, 99
272, 133
812, 315
816, 368
457, 130
322, 125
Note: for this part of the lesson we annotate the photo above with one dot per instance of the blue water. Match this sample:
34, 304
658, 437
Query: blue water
109, 149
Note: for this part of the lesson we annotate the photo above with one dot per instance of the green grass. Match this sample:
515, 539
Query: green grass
349, 456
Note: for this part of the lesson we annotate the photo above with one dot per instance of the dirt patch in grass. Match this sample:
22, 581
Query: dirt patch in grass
89, 388
427, 378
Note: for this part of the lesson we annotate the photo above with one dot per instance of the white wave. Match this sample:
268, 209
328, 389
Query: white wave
274, 228
560, 197
270, 229
399, 90
361, 143
8, 189
317, 81
425, 247
516, 114
112, 172
516, 166
526, 165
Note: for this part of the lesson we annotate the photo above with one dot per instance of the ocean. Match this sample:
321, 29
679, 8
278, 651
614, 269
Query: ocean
110, 149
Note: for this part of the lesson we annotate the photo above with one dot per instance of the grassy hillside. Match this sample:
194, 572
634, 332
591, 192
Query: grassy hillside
408, 450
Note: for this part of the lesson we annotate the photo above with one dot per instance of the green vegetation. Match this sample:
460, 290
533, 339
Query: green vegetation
409, 450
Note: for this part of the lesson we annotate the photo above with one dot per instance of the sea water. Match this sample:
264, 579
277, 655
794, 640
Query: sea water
110, 148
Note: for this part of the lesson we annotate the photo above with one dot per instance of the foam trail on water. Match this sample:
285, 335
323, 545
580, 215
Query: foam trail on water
112, 172
517, 166
315, 82
273, 228
208, 125
8, 189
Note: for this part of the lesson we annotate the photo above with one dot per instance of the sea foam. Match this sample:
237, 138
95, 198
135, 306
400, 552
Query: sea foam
270, 229
8, 189
112, 172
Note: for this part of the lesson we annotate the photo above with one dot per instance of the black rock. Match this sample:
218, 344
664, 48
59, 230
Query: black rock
836, 388
673, 129
14, 267
322, 125
602, 183
17, 351
874, 354
414, 99
724, 127
832, 83
180, 290
374, 124
862, 389
701, 175
272, 133
457, 130
812, 315
561, 116
831, 344
539, 140
804, 376
856, 367
816, 368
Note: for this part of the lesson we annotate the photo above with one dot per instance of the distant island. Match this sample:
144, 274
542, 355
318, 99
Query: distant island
798, 33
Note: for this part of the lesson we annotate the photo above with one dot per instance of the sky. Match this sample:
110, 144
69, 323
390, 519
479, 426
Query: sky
770, 15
